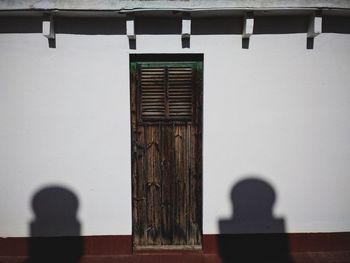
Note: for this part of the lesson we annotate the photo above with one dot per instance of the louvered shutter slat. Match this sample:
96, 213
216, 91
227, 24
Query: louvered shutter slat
152, 92
180, 92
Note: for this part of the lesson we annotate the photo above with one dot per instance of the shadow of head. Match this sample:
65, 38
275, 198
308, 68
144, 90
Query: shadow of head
55, 230
253, 199
55, 210
252, 205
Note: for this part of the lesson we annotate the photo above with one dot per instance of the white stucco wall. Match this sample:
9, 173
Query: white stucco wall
276, 111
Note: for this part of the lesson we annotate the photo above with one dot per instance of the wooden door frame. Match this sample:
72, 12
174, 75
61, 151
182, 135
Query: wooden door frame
196, 58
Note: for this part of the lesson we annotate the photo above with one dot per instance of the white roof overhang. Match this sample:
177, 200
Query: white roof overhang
125, 6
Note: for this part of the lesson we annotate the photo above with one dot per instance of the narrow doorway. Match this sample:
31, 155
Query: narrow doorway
166, 124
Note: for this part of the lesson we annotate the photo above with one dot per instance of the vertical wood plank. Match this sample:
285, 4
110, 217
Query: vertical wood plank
134, 153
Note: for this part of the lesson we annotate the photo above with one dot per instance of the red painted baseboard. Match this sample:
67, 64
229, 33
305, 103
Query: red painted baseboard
92, 245
122, 244
296, 242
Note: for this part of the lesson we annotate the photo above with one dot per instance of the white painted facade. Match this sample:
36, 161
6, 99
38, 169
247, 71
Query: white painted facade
275, 111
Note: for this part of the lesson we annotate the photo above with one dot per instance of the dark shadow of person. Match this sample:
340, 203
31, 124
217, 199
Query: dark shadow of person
55, 230
253, 234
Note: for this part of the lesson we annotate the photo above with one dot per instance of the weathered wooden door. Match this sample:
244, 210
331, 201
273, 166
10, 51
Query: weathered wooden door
166, 111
